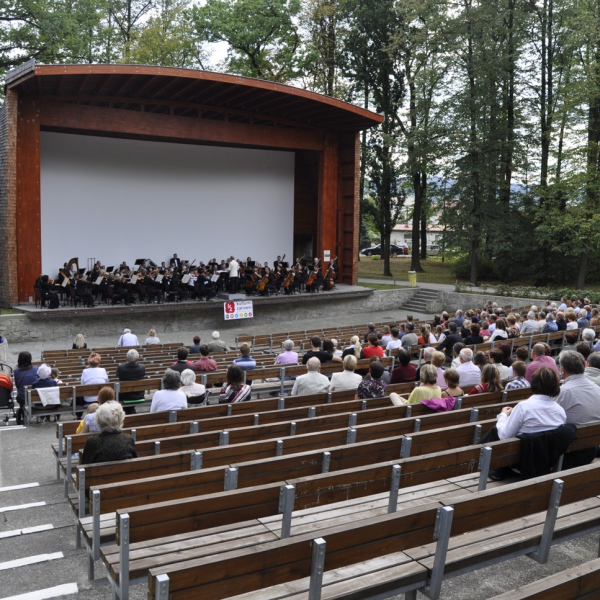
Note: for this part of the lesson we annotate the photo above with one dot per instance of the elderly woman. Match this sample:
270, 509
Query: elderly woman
428, 388
151, 340
89, 423
347, 379
112, 444
170, 397
94, 373
44, 380
539, 413
288, 356
194, 392
235, 390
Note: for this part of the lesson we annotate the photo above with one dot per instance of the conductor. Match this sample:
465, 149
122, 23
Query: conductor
234, 272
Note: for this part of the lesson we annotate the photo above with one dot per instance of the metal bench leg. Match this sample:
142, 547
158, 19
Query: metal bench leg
412, 595
124, 557
541, 554
162, 587
95, 510
69, 459
394, 486
443, 525
316, 570
485, 457
286, 507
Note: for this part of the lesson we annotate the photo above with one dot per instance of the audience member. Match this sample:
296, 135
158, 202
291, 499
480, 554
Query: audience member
468, 373
405, 372
427, 390
370, 330
490, 381
519, 368
288, 356
235, 390
182, 362
79, 342
354, 348
394, 342
453, 337
94, 373
195, 393
496, 358
170, 397
372, 348
131, 371
592, 370
410, 339
44, 380
347, 379
128, 339
195, 347
538, 360
313, 382
329, 348
245, 361
374, 387
89, 423
205, 364
217, 344
451, 377
316, 352
152, 340
456, 355
111, 444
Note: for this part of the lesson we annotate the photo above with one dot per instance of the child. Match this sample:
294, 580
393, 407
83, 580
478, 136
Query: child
451, 377
91, 409
519, 369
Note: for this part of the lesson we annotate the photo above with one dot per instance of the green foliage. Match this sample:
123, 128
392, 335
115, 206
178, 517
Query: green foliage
261, 35
461, 267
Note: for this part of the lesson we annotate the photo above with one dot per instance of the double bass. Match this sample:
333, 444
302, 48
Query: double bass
330, 276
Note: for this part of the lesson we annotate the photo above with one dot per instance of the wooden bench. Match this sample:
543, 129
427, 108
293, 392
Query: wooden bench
576, 583
463, 527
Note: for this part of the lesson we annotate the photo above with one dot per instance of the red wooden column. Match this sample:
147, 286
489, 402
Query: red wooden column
349, 207
328, 196
29, 239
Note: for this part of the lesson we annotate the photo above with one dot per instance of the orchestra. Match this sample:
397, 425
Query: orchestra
149, 282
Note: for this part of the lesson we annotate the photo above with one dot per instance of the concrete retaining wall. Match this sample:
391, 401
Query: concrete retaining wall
19, 328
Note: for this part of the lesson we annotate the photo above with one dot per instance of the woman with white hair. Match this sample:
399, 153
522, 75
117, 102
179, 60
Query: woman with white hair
347, 379
112, 444
44, 380
194, 392
288, 356
170, 397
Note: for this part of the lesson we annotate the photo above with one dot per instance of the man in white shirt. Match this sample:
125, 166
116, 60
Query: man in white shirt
313, 382
128, 339
234, 275
468, 372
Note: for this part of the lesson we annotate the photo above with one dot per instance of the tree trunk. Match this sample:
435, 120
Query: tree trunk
423, 216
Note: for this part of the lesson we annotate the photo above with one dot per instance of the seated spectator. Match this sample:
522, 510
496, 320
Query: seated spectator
538, 360
195, 347
592, 370
474, 337
404, 372
438, 360
94, 373
427, 355
490, 381
530, 325
519, 369
79, 342
182, 362
588, 336
288, 356
370, 330
336, 351
55, 374
235, 390
584, 349
451, 378
131, 370
484, 331
316, 352
539, 413
313, 382
245, 361
456, 355
571, 320
112, 444
561, 322
372, 348
469, 374
217, 344
374, 387
89, 423
499, 332
354, 348
128, 339
170, 397
428, 388
347, 379
582, 320
496, 358
394, 341
152, 340
44, 380
194, 392
329, 348
452, 337
385, 377
205, 364
386, 336
550, 325
409, 339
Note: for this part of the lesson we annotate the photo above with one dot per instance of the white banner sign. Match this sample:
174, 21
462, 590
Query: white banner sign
238, 310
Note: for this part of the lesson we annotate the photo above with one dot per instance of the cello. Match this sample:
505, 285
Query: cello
330, 276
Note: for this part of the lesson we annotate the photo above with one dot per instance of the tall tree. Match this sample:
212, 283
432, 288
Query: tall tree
261, 35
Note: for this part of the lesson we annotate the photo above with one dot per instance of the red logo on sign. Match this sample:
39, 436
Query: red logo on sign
230, 307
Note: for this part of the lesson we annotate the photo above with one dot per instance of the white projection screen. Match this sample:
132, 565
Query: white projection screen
118, 199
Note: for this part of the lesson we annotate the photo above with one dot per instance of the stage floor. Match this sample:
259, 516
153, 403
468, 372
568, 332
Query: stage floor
340, 292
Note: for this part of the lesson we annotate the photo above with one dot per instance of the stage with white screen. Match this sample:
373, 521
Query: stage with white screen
122, 199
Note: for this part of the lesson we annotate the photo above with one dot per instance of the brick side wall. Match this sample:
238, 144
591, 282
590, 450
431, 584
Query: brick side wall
8, 191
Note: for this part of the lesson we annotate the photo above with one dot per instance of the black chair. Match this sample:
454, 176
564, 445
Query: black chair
39, 297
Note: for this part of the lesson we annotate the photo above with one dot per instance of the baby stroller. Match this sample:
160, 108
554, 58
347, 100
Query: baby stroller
7, 400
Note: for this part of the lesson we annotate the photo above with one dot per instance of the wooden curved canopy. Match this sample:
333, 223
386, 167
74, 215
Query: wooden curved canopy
187, 92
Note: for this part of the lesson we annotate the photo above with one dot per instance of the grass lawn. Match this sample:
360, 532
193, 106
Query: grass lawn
435, 271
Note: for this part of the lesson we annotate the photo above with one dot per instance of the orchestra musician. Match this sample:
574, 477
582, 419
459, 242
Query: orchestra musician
175, 262
48, 295
83, 290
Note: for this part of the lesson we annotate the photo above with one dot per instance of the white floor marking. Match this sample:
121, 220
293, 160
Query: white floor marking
21, 506
25, 531
29, 560
53, 592
23, 486
13, 428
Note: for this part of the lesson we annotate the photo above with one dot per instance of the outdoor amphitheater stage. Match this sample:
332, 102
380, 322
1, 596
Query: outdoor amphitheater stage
341, 294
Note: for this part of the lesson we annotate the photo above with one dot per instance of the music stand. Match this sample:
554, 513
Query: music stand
285, 265
251, 264
110, 269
